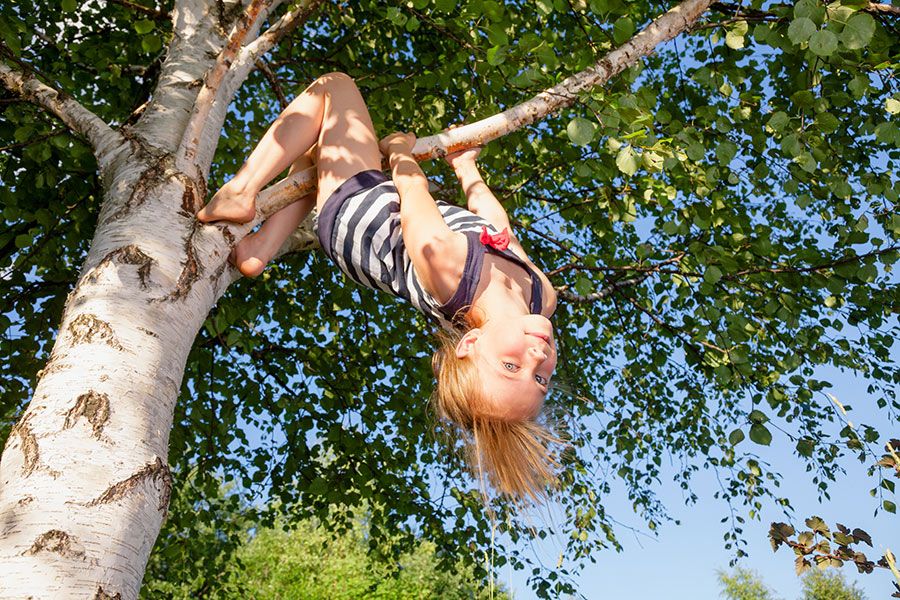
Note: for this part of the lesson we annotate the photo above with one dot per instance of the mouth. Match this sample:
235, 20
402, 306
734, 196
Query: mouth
542, 336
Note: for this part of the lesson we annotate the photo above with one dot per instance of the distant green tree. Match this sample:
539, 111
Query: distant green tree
301, 560
306, 562
743, 584
830, 585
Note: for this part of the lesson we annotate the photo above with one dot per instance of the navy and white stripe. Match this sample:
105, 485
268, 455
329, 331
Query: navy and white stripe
359, 229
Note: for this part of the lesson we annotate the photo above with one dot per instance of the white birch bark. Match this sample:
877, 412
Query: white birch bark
84, 477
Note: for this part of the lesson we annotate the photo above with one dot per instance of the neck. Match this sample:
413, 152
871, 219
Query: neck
500, 300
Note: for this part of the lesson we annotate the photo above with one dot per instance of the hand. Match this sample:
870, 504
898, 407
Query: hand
461, 157
397, 142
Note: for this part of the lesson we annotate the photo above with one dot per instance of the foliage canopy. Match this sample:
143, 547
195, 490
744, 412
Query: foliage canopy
730, 204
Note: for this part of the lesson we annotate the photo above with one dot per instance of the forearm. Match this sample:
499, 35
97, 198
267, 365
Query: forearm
472, 183
406, 173
416, 204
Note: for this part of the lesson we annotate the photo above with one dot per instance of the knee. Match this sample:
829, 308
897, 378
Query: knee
336, 78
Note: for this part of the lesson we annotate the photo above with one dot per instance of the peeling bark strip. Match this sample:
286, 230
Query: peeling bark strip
92, 406
129, 255
156, 470
102, 595
203, 105
58, 542
88, 329
29, 444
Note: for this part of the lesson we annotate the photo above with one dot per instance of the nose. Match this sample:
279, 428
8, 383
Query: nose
540, 354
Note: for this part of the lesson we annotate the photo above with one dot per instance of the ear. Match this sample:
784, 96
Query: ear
466, 346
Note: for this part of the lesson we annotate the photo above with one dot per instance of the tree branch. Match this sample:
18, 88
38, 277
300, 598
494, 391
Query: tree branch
77, 118
151, 12
241, 62
272, 78
193, 132
887, 9
570, 296
664, 28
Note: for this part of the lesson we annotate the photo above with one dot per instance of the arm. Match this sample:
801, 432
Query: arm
481, 201
479, 198
437, 253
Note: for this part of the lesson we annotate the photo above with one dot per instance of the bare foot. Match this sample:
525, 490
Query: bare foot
250, 255
229, 204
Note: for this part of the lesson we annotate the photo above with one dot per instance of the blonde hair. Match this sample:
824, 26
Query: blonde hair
514, 455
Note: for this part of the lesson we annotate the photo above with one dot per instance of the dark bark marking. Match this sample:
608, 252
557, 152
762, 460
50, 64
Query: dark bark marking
229, 236
147, 181
92, 406
148, 332
101, 595
191, 271
129, 255
155, 470
87, 328
24, 501
194, 193
188, 200
218, 273
58, 542
29, 444
53, 365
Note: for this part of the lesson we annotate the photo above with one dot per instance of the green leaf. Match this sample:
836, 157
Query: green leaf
625, 160
725, 152
581, 131
801, 29
760, 434
712, 275
496, 55
823, 43
778, 120
69, 5
734, 37
805, 447
623, 29
858, 31
143, 26
583, 286
151, 43
889, 506
757, 416
892, 105
736, 437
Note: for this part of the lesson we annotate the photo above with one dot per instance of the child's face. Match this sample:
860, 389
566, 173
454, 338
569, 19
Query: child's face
516, 357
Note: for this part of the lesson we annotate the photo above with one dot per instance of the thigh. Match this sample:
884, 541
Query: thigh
347, 141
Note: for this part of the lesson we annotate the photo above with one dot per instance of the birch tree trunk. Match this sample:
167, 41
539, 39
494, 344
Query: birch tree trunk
84, 477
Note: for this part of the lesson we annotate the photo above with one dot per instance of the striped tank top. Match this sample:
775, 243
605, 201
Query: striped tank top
359, 229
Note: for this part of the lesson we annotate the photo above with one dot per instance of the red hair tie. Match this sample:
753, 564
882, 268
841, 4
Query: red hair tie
499, 241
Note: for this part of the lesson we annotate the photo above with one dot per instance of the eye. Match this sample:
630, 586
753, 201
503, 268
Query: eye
541, 379
511, 367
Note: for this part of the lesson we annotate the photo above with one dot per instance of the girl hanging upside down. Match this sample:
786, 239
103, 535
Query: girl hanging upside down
463, 268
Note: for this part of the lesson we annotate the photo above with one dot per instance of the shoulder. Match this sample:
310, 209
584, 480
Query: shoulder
444, 261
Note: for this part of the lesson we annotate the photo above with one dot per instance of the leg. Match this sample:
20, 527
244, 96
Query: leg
347, 141
330, 111
253, 252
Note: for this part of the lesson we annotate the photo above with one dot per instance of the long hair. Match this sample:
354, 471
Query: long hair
514, 456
